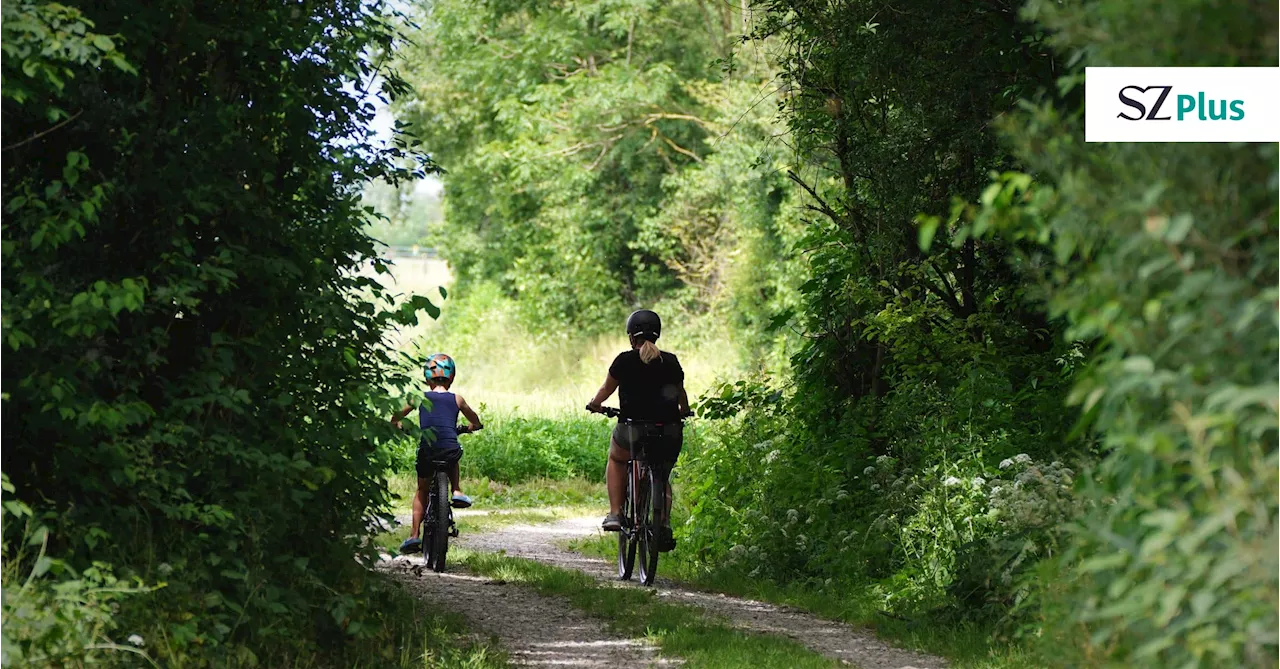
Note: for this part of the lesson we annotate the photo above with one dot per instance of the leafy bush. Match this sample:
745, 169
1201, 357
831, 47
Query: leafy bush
784, 499
1165, 255
514, 448
519, 446
53, 615
196, 385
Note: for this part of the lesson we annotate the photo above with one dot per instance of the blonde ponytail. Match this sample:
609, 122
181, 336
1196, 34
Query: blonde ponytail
649, 352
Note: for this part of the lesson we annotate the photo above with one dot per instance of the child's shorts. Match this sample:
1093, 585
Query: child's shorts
428, 456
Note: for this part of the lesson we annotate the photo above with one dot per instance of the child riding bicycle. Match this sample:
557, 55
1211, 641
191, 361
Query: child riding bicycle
438, 418
650, 385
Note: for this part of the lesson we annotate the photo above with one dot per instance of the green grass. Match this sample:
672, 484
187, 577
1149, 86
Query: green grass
517, 446
680, 631
532, 494
968, 646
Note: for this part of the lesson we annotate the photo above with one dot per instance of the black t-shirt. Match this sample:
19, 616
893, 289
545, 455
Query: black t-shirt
648, 391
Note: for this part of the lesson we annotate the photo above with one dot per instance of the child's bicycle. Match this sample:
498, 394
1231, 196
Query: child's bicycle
437, 516
644, 504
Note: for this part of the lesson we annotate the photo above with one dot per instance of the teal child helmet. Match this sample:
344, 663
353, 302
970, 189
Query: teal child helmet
440, 368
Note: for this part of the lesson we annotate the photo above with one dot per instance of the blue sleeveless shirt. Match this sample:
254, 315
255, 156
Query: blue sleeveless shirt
442, 419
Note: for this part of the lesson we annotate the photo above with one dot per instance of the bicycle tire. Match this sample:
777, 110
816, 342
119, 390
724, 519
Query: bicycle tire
440, 522
626, 543
424, 529
648, 550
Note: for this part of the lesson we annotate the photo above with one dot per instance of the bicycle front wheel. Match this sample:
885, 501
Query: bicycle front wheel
650, 496
626, 538
440, 521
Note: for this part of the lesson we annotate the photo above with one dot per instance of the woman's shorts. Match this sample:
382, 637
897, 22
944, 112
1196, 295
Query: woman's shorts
662, 443
429, 455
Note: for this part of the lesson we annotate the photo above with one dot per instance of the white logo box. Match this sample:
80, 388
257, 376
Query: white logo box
1251, 95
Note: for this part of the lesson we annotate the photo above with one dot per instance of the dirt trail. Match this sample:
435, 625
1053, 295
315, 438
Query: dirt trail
536, 630
839, 641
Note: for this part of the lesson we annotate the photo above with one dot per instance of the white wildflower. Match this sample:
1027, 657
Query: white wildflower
771, 456
793, 515
1022, 458
875, 486
950, 481
883, 460
1006, 463
841, 495
135, 640
979, 481
165, 569
868, 471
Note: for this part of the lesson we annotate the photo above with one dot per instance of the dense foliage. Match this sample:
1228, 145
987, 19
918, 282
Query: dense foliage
921, 371
1165, 255
194, 374
982, 371
598, 156
1043, 398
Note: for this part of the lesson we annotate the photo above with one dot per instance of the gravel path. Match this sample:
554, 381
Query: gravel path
536, 630
836, 640
546, 631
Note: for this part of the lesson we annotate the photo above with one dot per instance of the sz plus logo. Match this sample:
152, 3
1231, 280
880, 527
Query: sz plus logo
1188, 106
1182, 104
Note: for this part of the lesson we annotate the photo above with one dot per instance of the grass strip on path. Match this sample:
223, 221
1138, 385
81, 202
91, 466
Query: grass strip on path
418, 634
534, 502
966, 645
469, 524
679, 631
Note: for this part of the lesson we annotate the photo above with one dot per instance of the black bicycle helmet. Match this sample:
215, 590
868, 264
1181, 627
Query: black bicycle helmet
644, 324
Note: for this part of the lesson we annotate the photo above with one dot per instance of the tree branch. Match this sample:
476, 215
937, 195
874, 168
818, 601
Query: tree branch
678, 148
38, 135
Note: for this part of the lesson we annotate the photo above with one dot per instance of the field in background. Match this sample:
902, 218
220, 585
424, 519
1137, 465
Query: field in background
505, 365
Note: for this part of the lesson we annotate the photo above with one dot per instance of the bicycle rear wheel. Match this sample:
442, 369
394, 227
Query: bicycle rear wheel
650, 489
626, 537
425, 530
439, 521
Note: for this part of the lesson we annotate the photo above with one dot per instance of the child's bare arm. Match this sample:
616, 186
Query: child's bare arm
397, 416
473, 420
605, 392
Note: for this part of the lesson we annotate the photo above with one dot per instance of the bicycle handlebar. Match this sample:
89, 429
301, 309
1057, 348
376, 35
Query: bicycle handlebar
462, 429
613, 412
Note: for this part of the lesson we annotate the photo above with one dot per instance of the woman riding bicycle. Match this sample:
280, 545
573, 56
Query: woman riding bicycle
650, 385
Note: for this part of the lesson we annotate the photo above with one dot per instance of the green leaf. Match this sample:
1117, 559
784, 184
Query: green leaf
928, 227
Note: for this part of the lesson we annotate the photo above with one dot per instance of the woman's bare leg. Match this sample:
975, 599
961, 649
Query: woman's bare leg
615, 475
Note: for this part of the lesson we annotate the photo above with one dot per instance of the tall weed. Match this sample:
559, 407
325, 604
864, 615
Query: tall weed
54, 615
